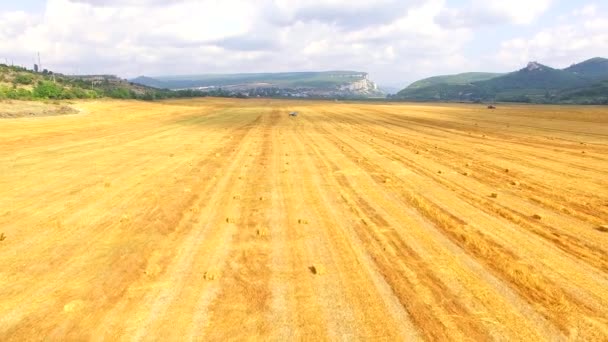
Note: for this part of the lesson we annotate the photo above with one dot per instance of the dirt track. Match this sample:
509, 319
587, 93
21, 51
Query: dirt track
217, 219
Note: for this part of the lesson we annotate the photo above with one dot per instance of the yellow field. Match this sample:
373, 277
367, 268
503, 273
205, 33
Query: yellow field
226, 219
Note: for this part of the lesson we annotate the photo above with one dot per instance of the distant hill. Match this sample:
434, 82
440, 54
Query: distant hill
328, 83
594, 69
459, 79
535, 83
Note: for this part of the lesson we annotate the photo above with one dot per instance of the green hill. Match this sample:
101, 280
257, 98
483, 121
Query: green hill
23, 84
459, 79
594, 69
534, 76
596, 93
537, 83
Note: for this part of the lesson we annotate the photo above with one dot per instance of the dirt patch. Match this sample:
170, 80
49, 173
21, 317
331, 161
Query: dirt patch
20, 109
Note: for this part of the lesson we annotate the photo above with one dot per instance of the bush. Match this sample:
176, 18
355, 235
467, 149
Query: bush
120, 93
24, 79
47, 90
67, 94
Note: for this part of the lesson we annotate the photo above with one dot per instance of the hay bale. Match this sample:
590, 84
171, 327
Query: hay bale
229, 220
2, 237
261, 232
537, 217
74, 306
317, 269
107, 184
236, 197
494, 195
516, 183
211, 275
466, 173
439, 172
507, 170
302, 221
603, 228
386, 180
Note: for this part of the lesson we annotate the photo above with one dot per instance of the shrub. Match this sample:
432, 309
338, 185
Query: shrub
24, 79
47, 90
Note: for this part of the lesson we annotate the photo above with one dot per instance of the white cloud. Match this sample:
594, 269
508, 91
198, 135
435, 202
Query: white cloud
480, 13
392, 39
584, 35
395, 40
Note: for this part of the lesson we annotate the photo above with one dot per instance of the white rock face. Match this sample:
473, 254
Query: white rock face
533, 66
364, 86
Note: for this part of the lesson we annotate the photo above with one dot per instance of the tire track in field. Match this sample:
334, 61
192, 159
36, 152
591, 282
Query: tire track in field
567, 242
587, 250
377, 322
126, 263
245, 294
498, 175
521, 275
192, 276
379, 236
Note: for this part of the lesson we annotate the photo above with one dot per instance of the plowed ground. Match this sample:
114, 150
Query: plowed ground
226, 219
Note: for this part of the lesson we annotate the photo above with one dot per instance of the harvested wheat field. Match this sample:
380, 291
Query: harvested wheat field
221, 219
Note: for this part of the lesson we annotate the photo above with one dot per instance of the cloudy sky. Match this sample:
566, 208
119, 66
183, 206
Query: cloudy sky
396, 41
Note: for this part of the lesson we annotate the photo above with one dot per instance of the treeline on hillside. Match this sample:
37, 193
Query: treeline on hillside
22, 84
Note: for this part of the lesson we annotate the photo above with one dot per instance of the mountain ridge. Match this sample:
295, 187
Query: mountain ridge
462, 78
300, 84
536, 83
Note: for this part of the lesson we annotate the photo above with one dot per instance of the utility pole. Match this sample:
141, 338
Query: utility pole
39, 63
